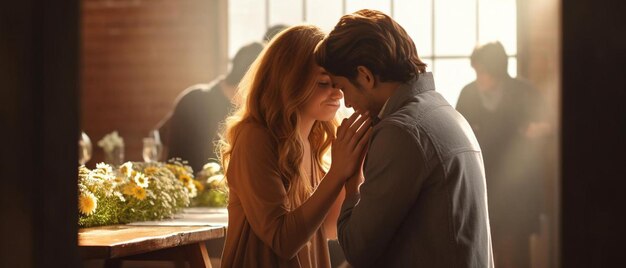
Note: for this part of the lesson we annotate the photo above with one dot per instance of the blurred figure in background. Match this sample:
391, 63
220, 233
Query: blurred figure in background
272, 31
505, 114
190, 130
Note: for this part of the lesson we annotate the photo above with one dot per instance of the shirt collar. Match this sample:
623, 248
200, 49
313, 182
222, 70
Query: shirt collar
382, 110
424, 82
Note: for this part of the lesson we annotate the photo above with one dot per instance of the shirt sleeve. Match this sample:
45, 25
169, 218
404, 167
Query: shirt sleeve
394, 174
253, 175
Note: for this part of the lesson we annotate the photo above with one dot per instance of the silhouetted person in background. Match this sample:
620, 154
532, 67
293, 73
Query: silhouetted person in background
272, 31
189, 132
503, 112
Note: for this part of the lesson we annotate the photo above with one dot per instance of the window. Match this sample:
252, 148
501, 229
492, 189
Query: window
444, 31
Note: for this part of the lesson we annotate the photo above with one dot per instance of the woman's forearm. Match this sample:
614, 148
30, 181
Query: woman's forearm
330, 222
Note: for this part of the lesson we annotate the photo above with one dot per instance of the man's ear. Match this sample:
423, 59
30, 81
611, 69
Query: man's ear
365, 77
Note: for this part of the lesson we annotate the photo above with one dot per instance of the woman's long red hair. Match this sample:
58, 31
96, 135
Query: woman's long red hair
275, 88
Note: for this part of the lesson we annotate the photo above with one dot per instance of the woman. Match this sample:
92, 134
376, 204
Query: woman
273, 150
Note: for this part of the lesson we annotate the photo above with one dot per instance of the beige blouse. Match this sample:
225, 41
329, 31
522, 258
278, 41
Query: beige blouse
262, 232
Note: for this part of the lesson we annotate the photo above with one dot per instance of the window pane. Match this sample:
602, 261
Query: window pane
512, 66
287, 12
381, 5
415, 16
451, 75
246, 23
323, 13
455, 27
498, 22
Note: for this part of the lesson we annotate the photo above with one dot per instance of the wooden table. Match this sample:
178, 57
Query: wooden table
148, 242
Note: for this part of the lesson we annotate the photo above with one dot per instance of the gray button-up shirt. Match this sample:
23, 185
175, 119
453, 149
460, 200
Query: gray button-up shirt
424, 201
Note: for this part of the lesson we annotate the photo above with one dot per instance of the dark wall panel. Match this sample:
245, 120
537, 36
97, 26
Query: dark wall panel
593, 133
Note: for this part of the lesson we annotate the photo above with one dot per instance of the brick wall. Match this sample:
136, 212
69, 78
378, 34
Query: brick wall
136, 56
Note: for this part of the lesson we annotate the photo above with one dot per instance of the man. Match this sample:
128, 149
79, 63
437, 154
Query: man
191, 130
423, 201
505, 114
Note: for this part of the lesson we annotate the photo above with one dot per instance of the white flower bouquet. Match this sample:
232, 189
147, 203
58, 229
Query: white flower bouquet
133, 192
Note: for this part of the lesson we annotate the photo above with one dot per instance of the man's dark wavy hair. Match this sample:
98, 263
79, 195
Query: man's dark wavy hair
372, 39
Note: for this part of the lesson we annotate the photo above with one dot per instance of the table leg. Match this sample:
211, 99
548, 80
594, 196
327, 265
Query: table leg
197, 255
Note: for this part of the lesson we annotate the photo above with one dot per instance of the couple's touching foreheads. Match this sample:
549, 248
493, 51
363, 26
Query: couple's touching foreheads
399, 183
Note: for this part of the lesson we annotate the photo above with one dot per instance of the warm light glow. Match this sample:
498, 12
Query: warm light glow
459, 25
285, 12
455, 27
323, 13
246, 23
498, 22
418, 27
451, 75
355, 5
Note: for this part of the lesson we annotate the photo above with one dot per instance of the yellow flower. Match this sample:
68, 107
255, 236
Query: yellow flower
118, 180
87, 203
150, 171
198, 185
127, 189
173, 168
186, 179
141, 180
139, 193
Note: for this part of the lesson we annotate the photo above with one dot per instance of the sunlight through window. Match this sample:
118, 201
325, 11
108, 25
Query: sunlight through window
416, 19
285, 12
246, 23
444, 31
455, 27
355, 5
497, 21
323, 13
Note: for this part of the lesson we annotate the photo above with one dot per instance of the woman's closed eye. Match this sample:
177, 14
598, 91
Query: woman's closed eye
324, 84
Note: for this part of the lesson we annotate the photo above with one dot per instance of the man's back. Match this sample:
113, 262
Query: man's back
423, 202
194, 124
